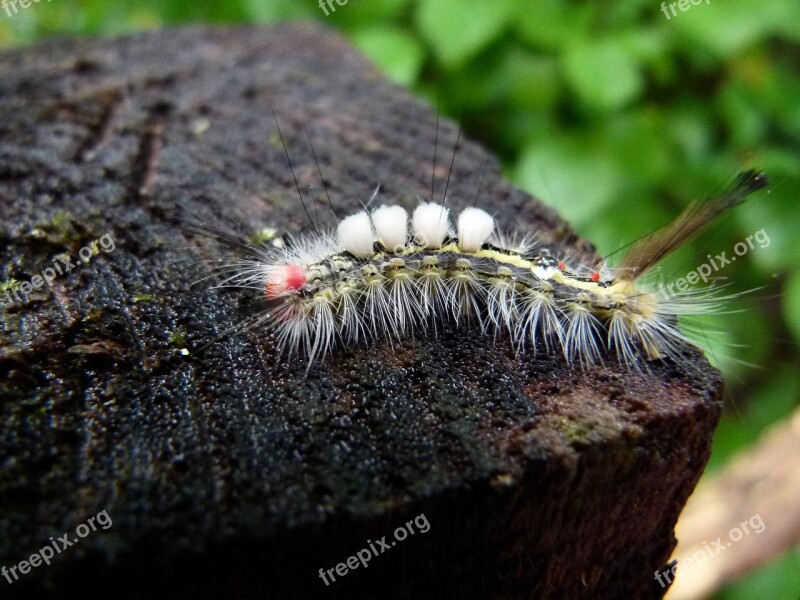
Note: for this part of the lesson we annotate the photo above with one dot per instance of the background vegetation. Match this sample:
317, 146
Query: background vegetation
609, 111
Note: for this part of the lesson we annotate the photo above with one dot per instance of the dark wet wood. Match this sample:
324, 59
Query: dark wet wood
229, 473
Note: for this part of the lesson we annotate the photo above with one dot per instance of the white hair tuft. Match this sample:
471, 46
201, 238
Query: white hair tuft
356, 236
474, 228
430, 223
391, 225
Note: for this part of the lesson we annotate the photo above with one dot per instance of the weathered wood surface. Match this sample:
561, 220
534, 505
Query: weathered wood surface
226, 472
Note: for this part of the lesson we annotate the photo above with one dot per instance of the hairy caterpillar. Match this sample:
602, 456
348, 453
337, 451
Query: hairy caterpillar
382, 275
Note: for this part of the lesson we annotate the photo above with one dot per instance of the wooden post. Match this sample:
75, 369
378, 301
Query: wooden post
226, 471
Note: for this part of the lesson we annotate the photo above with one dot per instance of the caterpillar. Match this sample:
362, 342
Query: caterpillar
385, 274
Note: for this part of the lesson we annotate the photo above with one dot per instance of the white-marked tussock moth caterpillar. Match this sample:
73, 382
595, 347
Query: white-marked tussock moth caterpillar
387, 274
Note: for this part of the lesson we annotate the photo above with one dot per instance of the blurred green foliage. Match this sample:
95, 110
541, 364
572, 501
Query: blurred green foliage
612, 113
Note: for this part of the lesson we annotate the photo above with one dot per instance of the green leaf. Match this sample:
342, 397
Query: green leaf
776, 579
769, 403
791, 304
280, 10
554, 24
603, 75
398, 54
526, 80
560, 173
359, 14
726, 28
777, 212
459, 29
743, 118
689, 129
635, 139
